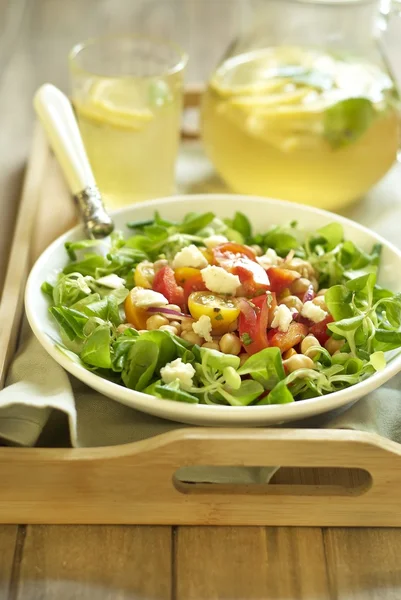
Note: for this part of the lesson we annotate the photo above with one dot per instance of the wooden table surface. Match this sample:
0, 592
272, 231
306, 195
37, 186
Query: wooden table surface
144, 563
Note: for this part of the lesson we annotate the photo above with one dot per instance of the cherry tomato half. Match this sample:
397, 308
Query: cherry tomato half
288, 339
281, 278
183, 274
229, 251
320, 331
253, 321
194, 284
221, 310
165, 283
253, 277
134, 314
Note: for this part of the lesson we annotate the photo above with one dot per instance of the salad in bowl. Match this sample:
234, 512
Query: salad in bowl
212, 310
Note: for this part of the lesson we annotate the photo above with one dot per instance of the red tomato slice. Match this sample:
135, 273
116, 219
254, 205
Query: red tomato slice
230, 250
165, 283
252, 322
193, 284
288, 339
319, 330
281, 278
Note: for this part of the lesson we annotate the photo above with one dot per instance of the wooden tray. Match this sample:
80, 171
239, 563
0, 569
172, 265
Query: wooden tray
328, 478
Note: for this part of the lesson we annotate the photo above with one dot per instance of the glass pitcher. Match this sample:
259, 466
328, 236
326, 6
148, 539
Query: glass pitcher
303, 106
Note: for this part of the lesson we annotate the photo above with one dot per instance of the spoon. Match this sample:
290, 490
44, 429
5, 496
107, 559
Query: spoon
57, 117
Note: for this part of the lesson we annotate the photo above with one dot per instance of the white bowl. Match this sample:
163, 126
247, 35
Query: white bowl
263, 213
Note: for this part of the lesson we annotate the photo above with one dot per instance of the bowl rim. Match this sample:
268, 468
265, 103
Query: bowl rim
145, 402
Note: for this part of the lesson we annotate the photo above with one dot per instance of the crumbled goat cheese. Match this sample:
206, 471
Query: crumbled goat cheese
144, 298
269, 259
177, 370
282, 318
190, 256
215, 240
313, 312
203, 327
220, 281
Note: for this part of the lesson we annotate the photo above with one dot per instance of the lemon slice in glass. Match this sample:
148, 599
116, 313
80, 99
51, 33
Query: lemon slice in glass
116, 103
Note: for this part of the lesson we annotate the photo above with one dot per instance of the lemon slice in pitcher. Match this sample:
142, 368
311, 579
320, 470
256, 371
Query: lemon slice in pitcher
116, 103
292, 97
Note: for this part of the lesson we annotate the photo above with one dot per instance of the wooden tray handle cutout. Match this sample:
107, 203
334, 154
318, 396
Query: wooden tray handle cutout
312, 482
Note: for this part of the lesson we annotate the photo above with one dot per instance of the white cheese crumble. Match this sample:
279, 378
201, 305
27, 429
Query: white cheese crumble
282, 318
112, 281
269, 259
313, 312
215, 240
203, 327
190, 256
220, 281
145, 298
177, 370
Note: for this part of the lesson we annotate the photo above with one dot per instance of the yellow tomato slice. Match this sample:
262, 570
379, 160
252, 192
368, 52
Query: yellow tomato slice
208, 254
144, 274
134, 314
182, 274
221, 310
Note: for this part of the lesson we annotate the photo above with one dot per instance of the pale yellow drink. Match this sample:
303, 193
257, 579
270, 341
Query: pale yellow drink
130, 121
300, 125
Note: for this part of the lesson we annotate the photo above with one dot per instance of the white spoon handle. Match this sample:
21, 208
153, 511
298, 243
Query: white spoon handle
57, 117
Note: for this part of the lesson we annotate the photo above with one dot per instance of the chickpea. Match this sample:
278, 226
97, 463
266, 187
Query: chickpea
257, 249
233, 326
230, 344
308, 342
123, 327
243, 358
155, 322
319, 301
211, 345
332, 345
159, 264
292, 302
177, 325
286, 292
172, 307
186, 324
192, 337
298, 361
300, 286
315, 283
169, 328
288, 353
321, 292
301, 266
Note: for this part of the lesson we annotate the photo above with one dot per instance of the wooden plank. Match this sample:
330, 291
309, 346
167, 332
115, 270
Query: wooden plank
8, 539
249, 563
102, 563
363, 564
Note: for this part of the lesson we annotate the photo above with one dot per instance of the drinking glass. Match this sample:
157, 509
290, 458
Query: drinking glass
127, 94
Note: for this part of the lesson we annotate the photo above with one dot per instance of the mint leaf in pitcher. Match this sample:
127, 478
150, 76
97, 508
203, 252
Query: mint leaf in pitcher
347, 120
